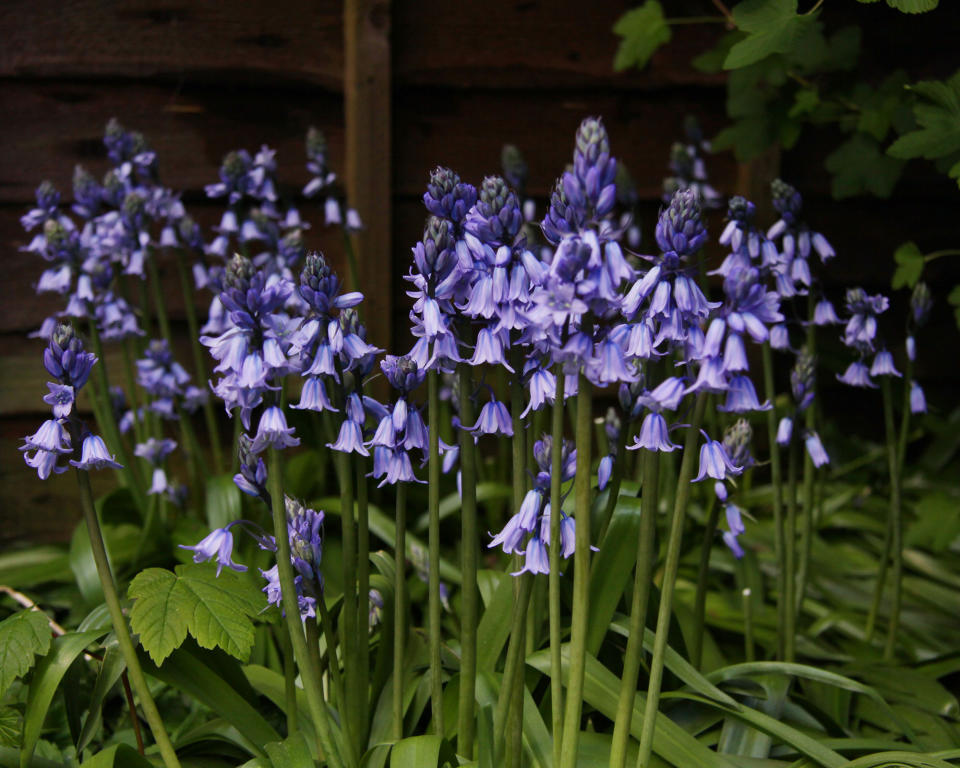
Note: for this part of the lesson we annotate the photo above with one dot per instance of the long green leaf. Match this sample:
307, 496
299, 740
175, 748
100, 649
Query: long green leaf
117, 756
293, 752
601, 691
416, 752
110, 670
46, 679
494, 627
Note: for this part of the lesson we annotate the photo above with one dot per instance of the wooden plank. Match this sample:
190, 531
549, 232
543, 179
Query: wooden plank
525, 45
271, 42
50, 127
367, 103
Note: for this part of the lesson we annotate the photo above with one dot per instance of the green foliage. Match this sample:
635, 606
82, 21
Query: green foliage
772, 26
643, 31
11, 724
937, 136
910, 263
216, 611
860, 167
909, 6
22, 636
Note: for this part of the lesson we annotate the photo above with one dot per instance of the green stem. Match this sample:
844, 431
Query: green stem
199, 359
581, 579
790, 562
776, 479
669, 580
158, 302
703, 573
192, 445
896, 521
399, 608
468, 554
556, 480
130, 382
515, 650
638, 608
329, 633
433, 508
809, 471
130, 470
122, 632
363, 603
905, 416
748, 646
289, 678
348, 615
309, 674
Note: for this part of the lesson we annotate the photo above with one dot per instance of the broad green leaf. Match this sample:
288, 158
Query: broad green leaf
33, 566
494, 627
271, 684
805, 100
913, 6
612, 569
188, 673
937, 524
416, 752
937, 113
159, 614
860, 167
111, 668
642, 30
11, 725
46, 679
223, 501
601, 691
292, 752
22, 636
216, 610
117, 756
773, 27
910, 263
121, 542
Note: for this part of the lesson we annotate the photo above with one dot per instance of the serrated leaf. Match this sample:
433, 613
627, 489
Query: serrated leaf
22, 636
859, 167
11, 724
805, 100
913, 6
910, 262
221, 608
773, 27
643, 31
159, 614
938, 120
216, 611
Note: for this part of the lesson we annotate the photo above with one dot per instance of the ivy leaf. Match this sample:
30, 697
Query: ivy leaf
643, 31
938, 120
22, 636
860, 167
158, 615
216, 610
909, 265
773, 26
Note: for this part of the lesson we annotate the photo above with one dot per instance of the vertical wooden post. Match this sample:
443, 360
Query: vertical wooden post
367, 87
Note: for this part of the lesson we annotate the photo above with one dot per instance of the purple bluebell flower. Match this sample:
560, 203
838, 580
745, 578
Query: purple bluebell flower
883, 364
921, 302
654, 435
918, 402
857, 375
494, 419
815, 449
61, 398
785, 431
803, 379
94, 455
273, 432
688, 169
217, 545
861, 328
735, 527
797, 240
825, 314
714, 462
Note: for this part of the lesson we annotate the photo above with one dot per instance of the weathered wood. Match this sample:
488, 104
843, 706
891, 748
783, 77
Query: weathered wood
271, 42
367, 109
50, 127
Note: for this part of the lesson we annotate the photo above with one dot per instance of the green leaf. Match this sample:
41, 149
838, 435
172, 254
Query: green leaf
712, 60
117, 756
292, 752
110, 670
937, 113
11, 725
50, 671
33, 566
223, 501
191, 675
216, 610
494, 627
913, 6
910, 262
953, 299
643, 31
805, 100
859, 167
773, 27
938, 523
22, 636
416, 752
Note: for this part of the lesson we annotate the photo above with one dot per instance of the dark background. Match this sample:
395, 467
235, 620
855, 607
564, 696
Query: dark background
202, 78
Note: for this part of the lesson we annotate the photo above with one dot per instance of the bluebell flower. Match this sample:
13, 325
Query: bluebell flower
815, 449
252, 477
61, 397
785, 431
797, 240
688, 168
273, 432
883, 364
857, 375
825, 314
803, 379
494, 419
780, 337
921, 302
861, 328
654, 435
735, 527
918, 403
742, 397
217, 545
714, 462
94, 455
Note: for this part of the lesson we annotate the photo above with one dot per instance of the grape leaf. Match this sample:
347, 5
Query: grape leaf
11, 725
909, 265
860, 167
22, 636
216, 611
643, 31
773, 27
937, 113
